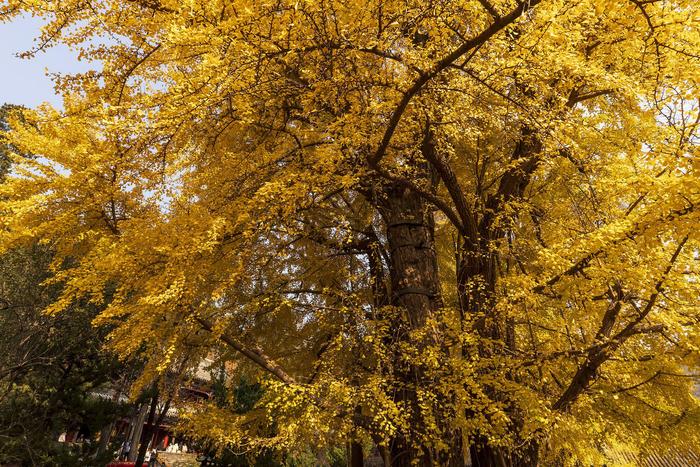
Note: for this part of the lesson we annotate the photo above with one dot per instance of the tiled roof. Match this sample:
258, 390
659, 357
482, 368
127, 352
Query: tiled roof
685, 458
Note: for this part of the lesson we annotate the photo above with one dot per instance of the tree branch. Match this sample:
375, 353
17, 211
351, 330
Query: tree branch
445, 62
449, 178
255, 354
601, 352
581, 264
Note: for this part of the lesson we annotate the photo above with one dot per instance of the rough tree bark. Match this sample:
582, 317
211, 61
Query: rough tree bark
143, 447
415, 290
477, 276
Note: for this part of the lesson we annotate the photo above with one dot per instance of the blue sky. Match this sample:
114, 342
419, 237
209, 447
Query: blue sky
24, 81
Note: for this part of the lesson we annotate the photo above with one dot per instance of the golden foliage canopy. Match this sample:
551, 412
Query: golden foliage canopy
228, 171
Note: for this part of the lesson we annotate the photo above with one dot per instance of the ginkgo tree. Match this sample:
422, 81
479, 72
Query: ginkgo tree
452, 229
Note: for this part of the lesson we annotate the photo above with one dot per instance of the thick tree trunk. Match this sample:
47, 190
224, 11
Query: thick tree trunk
477, 280
414, 272
105, 435
415, 291
477, 272
136, 432
357, 458
106, 432
143, 447
476, 284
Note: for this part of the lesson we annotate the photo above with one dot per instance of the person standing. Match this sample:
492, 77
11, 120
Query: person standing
126, 448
